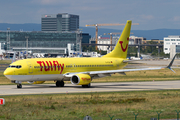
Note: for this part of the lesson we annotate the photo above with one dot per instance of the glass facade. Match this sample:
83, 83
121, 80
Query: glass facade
60, 22
37, 41
49, 23
85, 37
42, 42
177, 48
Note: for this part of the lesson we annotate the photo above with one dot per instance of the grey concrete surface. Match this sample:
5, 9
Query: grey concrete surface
95, 87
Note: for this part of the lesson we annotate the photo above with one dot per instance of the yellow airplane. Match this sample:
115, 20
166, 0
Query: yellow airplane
80, 71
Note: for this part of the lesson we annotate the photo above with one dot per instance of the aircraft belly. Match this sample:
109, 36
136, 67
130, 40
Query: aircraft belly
47, 77
20, 77
35, 77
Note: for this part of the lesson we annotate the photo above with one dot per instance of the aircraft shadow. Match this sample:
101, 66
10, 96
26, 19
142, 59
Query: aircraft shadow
107, 87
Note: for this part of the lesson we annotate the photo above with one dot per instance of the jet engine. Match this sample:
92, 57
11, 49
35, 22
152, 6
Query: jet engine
81, 79
36, 82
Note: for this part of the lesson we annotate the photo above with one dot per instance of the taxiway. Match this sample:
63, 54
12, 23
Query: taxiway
95, 87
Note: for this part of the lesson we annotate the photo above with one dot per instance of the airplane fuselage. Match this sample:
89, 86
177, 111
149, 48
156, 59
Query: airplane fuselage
42, 69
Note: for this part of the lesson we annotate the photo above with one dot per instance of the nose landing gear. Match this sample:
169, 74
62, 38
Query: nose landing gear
19, 85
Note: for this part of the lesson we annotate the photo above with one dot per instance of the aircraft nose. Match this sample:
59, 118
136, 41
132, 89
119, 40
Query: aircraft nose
8, 72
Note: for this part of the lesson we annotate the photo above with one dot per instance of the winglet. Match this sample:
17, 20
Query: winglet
170, 64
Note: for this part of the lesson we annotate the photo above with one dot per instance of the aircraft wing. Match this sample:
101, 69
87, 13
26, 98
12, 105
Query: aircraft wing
129, 61
121, 71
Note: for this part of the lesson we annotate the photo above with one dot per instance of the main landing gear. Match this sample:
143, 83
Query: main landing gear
60, 84
87, 86
19, 86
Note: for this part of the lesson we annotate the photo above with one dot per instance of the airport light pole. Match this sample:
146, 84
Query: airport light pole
26, 45
79, 40
8, 38
158, 51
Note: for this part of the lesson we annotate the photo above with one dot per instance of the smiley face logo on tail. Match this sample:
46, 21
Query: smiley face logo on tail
124, 49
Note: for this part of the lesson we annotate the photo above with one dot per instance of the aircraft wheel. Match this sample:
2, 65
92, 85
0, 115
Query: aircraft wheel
19, 86
57, 84
60, 84
87, 86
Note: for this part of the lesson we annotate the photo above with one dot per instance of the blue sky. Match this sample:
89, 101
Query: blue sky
150, 14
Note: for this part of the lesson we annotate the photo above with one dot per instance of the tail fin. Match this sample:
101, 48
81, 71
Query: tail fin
121, 48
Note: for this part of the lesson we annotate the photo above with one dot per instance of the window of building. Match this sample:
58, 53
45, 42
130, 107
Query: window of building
173, 40
167, 40
173, 43
168, 43
178, 39
165, 48
178, 49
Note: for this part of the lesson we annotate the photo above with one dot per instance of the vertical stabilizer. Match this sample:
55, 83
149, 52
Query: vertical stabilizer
121, 48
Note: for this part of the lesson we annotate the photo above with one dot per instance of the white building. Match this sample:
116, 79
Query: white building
135, 40
170, 40
103, 40
106, 40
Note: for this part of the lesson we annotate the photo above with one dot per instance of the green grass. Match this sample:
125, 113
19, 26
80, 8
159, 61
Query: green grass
97, 105
5, 61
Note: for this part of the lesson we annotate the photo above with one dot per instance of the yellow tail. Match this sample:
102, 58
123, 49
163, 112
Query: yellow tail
121, 48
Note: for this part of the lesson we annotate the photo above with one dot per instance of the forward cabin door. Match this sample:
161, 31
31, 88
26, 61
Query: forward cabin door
73, 68
30, 67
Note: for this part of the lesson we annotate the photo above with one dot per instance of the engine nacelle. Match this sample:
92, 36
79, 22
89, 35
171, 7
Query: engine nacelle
80, 79
36, 82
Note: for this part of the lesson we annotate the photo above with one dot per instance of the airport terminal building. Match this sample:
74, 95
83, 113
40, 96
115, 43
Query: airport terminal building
42, 42
58, 33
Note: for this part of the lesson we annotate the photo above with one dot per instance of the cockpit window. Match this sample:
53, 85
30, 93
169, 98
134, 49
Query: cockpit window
12, 66
15, 66
18, 66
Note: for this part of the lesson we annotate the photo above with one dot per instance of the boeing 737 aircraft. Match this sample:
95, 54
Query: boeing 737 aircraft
80, 71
